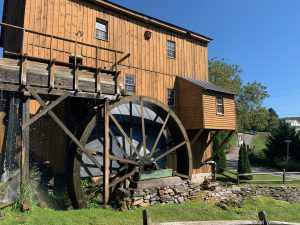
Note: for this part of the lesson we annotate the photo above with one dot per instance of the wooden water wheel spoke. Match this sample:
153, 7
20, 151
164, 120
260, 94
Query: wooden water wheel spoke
159, 135
118, 143
135, 122
170, 151
126, 176
123, 133
143, 126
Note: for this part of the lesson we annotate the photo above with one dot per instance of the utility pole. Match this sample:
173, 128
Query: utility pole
287, 151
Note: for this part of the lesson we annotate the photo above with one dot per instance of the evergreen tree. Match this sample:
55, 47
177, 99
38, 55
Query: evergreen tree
220, 158
243, 163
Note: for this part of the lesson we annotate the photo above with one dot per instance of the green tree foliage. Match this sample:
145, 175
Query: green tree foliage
220, 158
251, 115
243, 163
225, 75
250, 112
276, 146
273, 121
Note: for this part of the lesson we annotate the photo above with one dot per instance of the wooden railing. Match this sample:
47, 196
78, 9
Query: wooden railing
118, 57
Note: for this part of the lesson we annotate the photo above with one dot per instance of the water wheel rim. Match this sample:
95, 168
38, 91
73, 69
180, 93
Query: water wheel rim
150, 102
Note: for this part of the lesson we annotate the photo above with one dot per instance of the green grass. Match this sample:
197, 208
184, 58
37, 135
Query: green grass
192, 211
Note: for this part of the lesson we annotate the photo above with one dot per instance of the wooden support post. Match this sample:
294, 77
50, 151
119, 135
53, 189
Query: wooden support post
283, 176
23, 71
76, 76
237, 177
263, 218
210, 140
51, 74
146, 217
98, 73
106, 153
25, 142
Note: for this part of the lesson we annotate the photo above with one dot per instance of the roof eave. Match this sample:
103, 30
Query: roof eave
151, 20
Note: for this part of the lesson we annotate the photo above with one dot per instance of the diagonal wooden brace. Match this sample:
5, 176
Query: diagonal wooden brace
45, 111
64, 128
222, 144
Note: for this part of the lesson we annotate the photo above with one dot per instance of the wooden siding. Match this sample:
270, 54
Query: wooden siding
189, 99
199, 154
48, 142
154, 71
219, 122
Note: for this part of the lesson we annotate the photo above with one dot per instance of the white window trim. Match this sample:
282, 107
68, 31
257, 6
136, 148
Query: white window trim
168, 56
218, 104
105, 24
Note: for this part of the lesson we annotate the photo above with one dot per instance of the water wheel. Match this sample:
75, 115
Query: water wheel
144, 135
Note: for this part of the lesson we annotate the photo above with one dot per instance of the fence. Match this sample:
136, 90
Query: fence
282, 174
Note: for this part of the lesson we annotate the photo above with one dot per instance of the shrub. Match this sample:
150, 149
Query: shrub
243, 163
220, 158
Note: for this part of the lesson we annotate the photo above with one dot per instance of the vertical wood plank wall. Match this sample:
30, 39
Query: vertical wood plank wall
47, 146
189, 103
154, 71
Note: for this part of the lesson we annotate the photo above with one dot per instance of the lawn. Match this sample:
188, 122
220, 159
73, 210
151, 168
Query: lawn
191, 211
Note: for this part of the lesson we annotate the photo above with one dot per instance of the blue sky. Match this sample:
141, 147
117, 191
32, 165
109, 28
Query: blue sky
261, 36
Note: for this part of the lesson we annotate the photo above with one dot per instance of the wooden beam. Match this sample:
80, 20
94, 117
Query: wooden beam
123, 133
159, 135
211, 140
170, 151
143, 127
114, 183
45, 111
24, 71
106, 161
222, 144
25, 142
197, 136
51, 74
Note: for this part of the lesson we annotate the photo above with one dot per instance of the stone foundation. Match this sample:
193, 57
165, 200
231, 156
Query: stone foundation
179, 193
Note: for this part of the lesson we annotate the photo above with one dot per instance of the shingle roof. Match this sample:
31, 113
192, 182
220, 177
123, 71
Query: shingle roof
208, 86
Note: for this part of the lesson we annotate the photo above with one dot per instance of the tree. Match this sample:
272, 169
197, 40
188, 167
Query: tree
273, 121
244, 163
220, 158
250, 112
225, 75
251, 115
276, 145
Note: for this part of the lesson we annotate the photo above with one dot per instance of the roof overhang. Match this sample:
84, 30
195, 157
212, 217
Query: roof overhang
150, 20
208, 86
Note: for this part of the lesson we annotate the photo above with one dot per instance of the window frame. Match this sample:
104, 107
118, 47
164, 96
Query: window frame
169, 97
170, 50
129, 84
103, 22
218, 104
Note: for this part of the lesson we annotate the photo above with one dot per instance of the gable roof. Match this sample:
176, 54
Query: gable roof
208, 86
151, 20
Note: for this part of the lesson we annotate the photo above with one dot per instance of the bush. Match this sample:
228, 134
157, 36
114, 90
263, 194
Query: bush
243, 163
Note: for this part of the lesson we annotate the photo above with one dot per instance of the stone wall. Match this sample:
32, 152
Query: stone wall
228, 196
127, 199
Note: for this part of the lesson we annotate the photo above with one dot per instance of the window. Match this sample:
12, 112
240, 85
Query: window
102, 30
171, 49
171, 97
220, 105
130, 84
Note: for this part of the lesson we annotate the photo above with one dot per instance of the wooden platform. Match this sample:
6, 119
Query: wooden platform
38, 75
